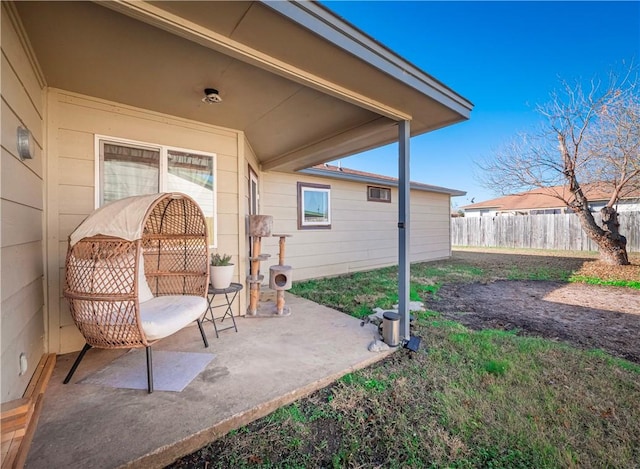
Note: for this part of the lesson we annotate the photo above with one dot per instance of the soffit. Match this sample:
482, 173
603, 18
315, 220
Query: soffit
86, 48
313, 53
261, 28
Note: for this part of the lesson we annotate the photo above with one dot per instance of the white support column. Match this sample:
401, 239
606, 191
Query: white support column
404, 263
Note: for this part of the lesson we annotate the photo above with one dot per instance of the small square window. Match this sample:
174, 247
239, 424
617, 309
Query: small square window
378, 194
314, 206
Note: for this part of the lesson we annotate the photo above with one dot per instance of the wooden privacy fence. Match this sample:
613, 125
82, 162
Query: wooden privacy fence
561, 232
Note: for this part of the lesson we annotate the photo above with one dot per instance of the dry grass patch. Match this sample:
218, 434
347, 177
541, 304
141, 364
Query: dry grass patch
600, 270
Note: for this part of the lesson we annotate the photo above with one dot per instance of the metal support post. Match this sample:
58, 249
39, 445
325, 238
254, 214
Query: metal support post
404, 262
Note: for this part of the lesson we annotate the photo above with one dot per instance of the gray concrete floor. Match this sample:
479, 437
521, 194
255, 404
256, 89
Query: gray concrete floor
268, 363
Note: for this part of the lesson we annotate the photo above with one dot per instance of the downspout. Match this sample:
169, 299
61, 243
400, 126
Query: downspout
404, 263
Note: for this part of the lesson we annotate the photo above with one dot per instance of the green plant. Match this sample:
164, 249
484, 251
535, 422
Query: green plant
496, 367
220, 259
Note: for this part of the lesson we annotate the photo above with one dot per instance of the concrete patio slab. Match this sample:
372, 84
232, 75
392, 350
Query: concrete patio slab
268, 363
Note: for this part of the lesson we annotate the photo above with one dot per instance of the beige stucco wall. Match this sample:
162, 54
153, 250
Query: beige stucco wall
21, 206
74, 121
363, 234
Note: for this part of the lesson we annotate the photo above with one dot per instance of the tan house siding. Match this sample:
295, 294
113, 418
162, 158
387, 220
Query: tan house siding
21, 208
363, 234
74, 121
430, 226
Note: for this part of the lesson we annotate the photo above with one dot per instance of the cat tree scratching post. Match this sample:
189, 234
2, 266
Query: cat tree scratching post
280, 277
259, 227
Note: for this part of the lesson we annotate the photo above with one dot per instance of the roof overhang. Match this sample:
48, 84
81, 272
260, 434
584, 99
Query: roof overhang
382, 181
302, 84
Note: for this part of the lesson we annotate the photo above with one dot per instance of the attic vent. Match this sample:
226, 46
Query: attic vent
378, 194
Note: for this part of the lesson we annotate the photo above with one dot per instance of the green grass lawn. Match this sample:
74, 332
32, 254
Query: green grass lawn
466, 399
357, 293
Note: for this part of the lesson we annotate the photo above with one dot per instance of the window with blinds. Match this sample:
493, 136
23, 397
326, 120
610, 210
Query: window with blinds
128, 168
378, 194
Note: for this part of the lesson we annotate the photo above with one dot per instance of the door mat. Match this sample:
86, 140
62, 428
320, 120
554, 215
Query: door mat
172, 371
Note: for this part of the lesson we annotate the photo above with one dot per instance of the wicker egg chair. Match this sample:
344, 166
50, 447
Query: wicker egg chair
136, 272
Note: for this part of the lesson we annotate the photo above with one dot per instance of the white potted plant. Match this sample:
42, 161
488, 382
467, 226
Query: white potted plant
221, 270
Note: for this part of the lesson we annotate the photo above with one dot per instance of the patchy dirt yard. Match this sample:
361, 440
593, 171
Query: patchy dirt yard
588, 316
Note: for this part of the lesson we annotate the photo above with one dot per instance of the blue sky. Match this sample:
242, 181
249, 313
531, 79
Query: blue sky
505, 57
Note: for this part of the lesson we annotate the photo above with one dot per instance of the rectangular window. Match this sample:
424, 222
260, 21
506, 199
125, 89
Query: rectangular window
314, 206
253, 192
128, 168
378, 194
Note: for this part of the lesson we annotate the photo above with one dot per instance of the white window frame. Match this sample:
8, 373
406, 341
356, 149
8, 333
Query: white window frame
254, 198
163, 169
309, 187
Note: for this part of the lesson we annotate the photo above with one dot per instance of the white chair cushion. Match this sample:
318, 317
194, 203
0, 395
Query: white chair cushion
164, 315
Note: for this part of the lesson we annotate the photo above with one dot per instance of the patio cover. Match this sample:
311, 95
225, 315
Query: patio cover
304, 85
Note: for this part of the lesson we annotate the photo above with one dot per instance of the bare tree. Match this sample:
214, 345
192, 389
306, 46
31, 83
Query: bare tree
589, 142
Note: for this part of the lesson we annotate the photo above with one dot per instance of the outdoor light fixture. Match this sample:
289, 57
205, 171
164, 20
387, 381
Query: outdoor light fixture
211, 96
25, 143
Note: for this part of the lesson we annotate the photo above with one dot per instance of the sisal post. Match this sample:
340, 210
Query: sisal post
254, 294
280, 302
281, 253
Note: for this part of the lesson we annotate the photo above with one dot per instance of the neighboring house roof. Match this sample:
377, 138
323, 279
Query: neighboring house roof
304, 85
339, 172
543, 198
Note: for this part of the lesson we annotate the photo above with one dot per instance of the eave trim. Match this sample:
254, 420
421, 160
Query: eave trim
381, 181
